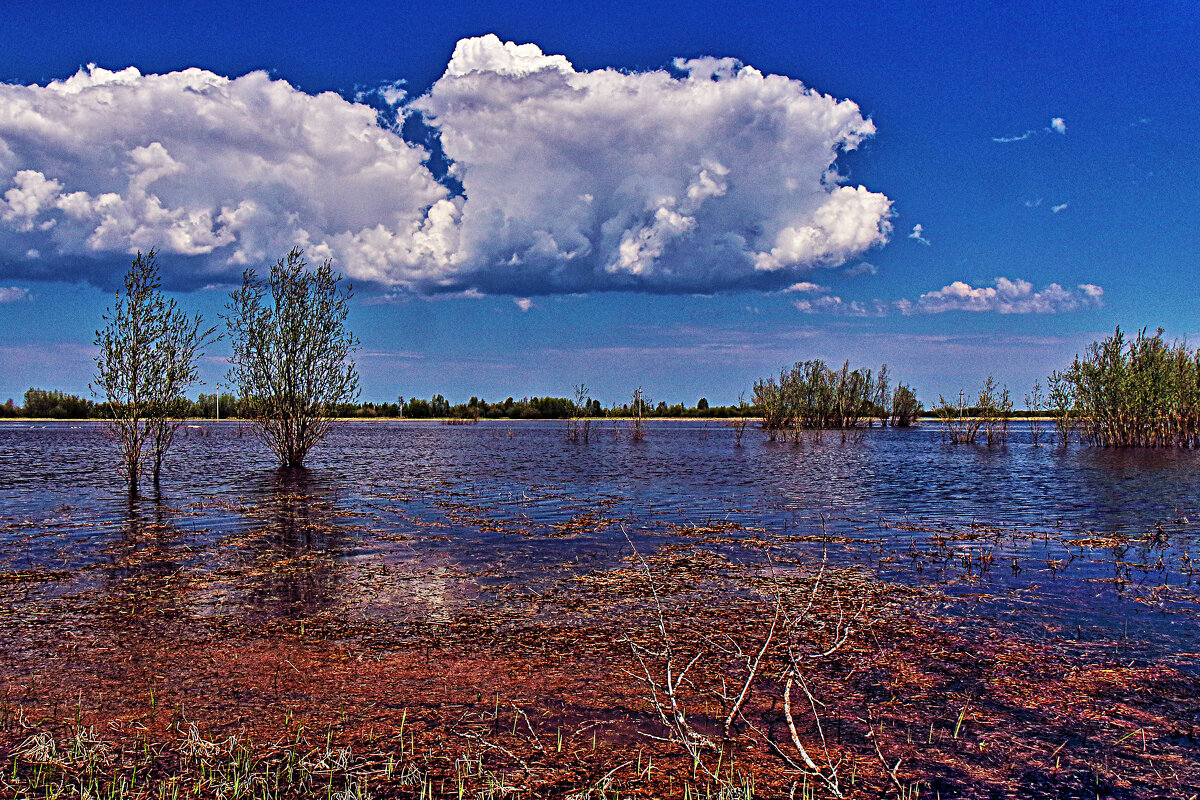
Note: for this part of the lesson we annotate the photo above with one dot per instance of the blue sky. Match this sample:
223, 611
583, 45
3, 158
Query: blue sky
622, 218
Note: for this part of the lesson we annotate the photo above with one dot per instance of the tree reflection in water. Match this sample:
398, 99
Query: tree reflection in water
143, 574
289, 563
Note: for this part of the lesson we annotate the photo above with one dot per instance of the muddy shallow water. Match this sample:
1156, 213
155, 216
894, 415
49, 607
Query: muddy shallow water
1084, 538
1026, 616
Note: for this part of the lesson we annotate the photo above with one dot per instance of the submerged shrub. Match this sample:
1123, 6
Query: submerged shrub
812, 396
1143, 393
988, 413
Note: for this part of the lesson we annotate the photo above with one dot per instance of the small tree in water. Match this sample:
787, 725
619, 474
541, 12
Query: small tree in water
148, 354
292, 353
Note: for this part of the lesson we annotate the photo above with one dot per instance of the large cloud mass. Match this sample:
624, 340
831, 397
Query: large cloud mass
231, 171
712, 176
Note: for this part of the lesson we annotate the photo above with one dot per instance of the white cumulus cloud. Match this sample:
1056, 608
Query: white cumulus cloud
1006, 297
1058, 125
715, 176
706, 177
231, 171
13, 294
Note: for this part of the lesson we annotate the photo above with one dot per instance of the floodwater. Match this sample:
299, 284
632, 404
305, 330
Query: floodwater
400, 520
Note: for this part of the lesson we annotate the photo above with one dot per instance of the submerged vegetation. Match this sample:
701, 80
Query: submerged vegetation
717, 663
148, 351
292, 354
1139, 393
812, 396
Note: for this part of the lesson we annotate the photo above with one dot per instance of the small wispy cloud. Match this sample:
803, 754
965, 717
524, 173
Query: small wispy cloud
1054, 209
1057, 125
805, 286
386, 355
13, 294
861, 268
1007, 139
523, 303
918, 234
402, 296
832, 304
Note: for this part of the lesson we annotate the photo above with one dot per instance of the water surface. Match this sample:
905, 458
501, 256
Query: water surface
400, 519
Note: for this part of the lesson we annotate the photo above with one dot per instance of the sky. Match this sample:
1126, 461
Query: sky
679, 196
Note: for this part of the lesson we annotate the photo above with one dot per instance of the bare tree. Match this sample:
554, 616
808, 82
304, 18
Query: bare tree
738, 423
148, 354
700, 686
641, 404
578, 424
292, 355
1033, 403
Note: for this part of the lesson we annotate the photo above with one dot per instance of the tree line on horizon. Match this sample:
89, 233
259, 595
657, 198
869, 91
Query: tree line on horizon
54, 404
1143, 392
293, 369
1121, 393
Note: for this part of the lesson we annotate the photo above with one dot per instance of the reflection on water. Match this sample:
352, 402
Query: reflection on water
411, 521
144, 556
287, 561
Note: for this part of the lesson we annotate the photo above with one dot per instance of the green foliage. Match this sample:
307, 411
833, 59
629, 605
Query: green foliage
811, 396
54, 404
148, 351
206, 407
994, 409
1144, 393
989, 413
906, 408
292, 354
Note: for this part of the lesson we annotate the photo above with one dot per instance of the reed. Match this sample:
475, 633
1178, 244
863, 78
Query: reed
812, 396
1140, 393
989, 413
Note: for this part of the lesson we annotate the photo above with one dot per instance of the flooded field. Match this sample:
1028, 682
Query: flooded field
496, 610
